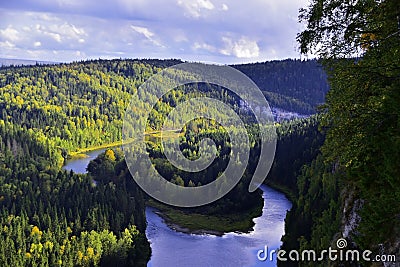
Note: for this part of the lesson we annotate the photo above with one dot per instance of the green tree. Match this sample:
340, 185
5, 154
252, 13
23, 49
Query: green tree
362, 118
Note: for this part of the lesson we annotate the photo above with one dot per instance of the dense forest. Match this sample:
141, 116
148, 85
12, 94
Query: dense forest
297, 85
58, 100
51, 217
298, 142
352, 189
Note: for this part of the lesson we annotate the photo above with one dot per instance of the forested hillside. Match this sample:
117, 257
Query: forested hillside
57, 100
50, 217
299, 143
291, 84
352, 190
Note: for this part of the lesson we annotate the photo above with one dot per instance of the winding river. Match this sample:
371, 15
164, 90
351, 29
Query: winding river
79, 165
175, 249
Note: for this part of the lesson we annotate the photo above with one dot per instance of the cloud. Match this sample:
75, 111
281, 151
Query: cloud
7, 44
224, 7
10, 34
146, 33
55, 36
59, 31
243, 48
204, 46
37, 35
195, 8
65, 30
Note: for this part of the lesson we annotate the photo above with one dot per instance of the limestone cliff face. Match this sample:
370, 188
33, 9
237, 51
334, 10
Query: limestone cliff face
352, 205
391, 248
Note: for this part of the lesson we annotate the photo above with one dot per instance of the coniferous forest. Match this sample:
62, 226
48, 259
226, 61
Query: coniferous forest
352, 189
52, 217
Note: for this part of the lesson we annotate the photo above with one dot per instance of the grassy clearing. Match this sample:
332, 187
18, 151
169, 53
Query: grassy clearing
165, 134
80, 153
92, 148
78, 156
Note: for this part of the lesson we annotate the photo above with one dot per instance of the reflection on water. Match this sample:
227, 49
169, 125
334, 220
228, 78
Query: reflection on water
170, 248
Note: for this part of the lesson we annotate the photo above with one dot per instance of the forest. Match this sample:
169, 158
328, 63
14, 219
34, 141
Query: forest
352, 189
81, 104
292, 84
51, 217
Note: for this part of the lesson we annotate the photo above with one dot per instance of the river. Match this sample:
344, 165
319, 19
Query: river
79, 165
175, 249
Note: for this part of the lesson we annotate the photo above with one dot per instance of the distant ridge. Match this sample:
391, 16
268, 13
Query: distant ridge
4, 62
293, 87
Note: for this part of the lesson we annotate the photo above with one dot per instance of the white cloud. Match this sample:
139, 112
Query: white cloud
204, 46
54, 36
195, 8
61, 31
243, 48
7, 44
67, 30
146, 33
41, 31
225, 7
10, 34
37, 44
205, 4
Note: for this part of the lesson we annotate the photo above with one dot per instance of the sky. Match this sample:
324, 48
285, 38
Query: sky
213, 31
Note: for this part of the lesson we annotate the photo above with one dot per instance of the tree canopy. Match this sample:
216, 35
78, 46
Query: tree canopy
359, 44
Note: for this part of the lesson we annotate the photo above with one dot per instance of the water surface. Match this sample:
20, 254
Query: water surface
79, 165
175, 249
